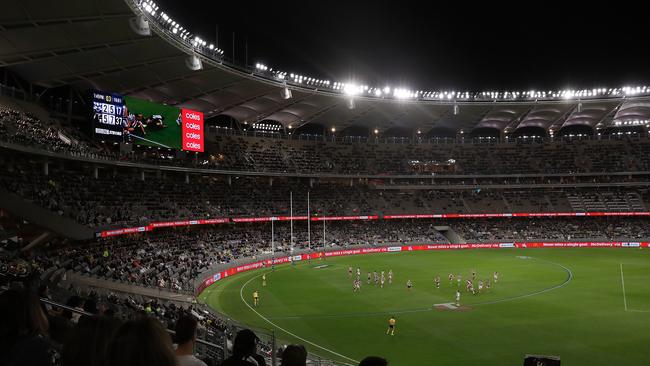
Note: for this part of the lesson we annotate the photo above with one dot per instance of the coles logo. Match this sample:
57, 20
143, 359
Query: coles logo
192, 130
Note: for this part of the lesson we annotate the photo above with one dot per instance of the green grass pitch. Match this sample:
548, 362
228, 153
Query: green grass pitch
168, 136
566, 302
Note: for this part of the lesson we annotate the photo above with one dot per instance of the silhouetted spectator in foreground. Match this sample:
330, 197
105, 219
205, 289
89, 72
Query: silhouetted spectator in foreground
373, 361
23, 331
87, 344
294, 355
141, 342
244, 350
185, 337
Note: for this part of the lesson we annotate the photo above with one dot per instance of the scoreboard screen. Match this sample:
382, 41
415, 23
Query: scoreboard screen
108, 115
136, 121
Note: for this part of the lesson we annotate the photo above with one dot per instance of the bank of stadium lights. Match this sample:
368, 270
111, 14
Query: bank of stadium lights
351, 89
635, 122
266, 127
164, 20
400, 93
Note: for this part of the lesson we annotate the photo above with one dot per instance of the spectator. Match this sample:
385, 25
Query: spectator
294, 355
23, 331
185, 338
141, 342
373, 361
87, 343
244, 350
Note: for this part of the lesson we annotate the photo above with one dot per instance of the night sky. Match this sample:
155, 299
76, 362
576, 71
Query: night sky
453, 46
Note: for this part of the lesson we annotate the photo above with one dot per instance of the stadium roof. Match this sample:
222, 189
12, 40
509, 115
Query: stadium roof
90, 44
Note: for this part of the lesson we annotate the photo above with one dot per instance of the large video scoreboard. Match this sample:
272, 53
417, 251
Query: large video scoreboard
132, 120
108, 115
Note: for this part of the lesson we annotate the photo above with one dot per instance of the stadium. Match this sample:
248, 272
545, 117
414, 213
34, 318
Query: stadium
163, 202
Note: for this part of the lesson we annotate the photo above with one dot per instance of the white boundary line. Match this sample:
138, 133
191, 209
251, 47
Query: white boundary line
623, 285
241, 294
625, 297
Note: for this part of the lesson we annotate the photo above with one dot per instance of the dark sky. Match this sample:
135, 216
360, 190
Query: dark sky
432, 44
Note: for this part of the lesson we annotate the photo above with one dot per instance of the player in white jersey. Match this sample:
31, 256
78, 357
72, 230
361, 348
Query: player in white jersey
480, 286
457, 297
357, 286
376, 277
382, 279
390, 276
451, 278
459, 279
409, 284
369, 276
350, 271
496, 276
358, 272
437, 281
487, 285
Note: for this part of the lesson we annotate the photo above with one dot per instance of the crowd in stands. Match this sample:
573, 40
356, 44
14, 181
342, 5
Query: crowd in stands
119, 198
299, 156
564, 229
26, 129
174, 259
280, 155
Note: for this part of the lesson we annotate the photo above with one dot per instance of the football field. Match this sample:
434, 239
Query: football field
590, 306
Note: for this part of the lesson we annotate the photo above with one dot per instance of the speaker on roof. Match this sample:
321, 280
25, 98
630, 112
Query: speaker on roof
286, 93
193, 62
140, 25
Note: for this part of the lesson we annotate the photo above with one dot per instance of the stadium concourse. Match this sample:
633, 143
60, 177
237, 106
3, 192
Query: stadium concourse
118, 231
